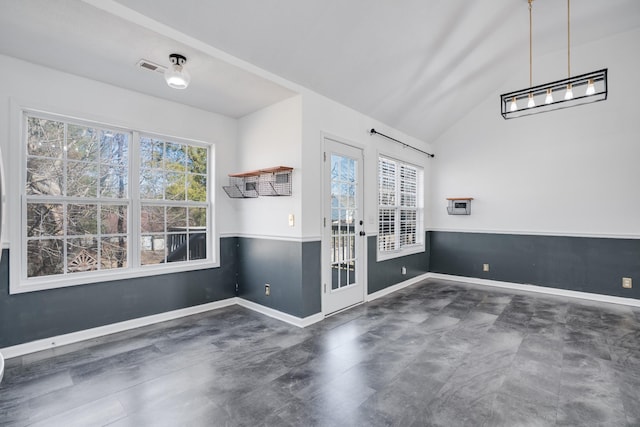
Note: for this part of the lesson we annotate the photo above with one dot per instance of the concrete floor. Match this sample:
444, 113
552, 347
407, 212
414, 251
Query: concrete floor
436, 353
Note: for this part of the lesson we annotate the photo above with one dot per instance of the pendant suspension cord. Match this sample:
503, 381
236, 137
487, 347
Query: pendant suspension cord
568, 38
375, 132
530, 46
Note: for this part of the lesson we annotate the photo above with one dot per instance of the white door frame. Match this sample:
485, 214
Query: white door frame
326, 209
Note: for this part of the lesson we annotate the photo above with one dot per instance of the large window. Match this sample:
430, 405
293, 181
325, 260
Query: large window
400, 207
100, 202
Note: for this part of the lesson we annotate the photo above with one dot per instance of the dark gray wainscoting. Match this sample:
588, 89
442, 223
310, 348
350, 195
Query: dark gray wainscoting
292, 269
36, 315
585, 264
381, 275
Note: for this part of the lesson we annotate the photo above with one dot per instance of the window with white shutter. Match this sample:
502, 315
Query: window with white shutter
400, 229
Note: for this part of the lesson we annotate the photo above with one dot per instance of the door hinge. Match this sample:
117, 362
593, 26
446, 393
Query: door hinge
325, 156
324, 221
325, 288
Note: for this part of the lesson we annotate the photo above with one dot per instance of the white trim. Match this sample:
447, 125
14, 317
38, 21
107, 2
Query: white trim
282, 238
538, 289
335, 138
279, 315
87, 334
399, 253
393, 288
79, 279
228, 235
539, 233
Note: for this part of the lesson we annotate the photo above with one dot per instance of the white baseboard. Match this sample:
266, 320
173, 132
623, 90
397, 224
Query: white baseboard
74, 337
276, 314
393, 288
539, 289
87, 334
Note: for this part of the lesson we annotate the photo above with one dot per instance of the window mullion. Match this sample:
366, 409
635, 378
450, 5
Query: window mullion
398, 221
134, 231
65, 210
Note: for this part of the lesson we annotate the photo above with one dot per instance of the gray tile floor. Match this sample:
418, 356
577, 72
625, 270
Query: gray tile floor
436, 353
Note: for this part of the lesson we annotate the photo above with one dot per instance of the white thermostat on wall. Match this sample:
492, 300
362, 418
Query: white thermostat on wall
459, 205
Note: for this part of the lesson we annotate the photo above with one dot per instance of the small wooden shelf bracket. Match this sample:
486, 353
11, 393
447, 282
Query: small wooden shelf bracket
459, 205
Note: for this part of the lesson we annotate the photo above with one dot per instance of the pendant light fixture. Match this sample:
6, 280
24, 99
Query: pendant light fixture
540, 98
176, 75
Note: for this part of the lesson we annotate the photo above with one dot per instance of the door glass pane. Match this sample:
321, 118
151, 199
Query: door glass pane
343, 217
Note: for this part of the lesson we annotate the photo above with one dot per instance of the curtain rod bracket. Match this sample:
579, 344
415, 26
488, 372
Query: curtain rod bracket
375, 132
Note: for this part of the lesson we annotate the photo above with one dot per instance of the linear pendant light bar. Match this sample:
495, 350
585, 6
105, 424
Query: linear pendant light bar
586, 88
375, 132
570, 92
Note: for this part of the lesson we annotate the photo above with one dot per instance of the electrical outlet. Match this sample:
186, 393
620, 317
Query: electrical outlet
292, 220
403, 270
485, 267
627, 283
267, 289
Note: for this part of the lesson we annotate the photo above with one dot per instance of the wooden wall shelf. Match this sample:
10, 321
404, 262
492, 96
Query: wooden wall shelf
276, 169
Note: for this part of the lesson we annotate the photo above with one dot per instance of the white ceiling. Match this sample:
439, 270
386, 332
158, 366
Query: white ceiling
416, 65
74, 36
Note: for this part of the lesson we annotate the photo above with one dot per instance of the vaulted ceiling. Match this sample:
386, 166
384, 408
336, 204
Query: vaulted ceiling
416, 65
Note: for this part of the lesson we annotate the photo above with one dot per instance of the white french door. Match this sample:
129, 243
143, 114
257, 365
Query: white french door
343, 235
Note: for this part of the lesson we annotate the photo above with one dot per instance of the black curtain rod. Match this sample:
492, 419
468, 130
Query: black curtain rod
375, 132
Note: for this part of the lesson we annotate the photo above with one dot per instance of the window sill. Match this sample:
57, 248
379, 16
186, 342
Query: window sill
46, 283
410, 250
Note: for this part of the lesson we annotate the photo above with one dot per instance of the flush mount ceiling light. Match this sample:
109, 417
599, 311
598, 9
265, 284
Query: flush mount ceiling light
176, 75
569, 92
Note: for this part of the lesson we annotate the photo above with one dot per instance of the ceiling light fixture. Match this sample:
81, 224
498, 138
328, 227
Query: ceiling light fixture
176, 75
595, 83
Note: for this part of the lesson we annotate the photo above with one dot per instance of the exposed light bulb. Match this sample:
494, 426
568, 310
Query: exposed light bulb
591, 88
569, 94
549, 98
514, 105
531, 103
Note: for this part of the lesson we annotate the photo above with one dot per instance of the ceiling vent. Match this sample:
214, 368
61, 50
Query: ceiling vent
148, 65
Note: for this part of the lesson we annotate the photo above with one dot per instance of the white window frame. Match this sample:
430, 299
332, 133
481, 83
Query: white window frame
401, 250
20, 283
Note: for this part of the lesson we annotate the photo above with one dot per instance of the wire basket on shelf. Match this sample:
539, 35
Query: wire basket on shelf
274, 181
241, 188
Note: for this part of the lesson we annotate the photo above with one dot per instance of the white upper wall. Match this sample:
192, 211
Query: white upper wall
268, 138
34, 86
573, 171
288, 133
322, 116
